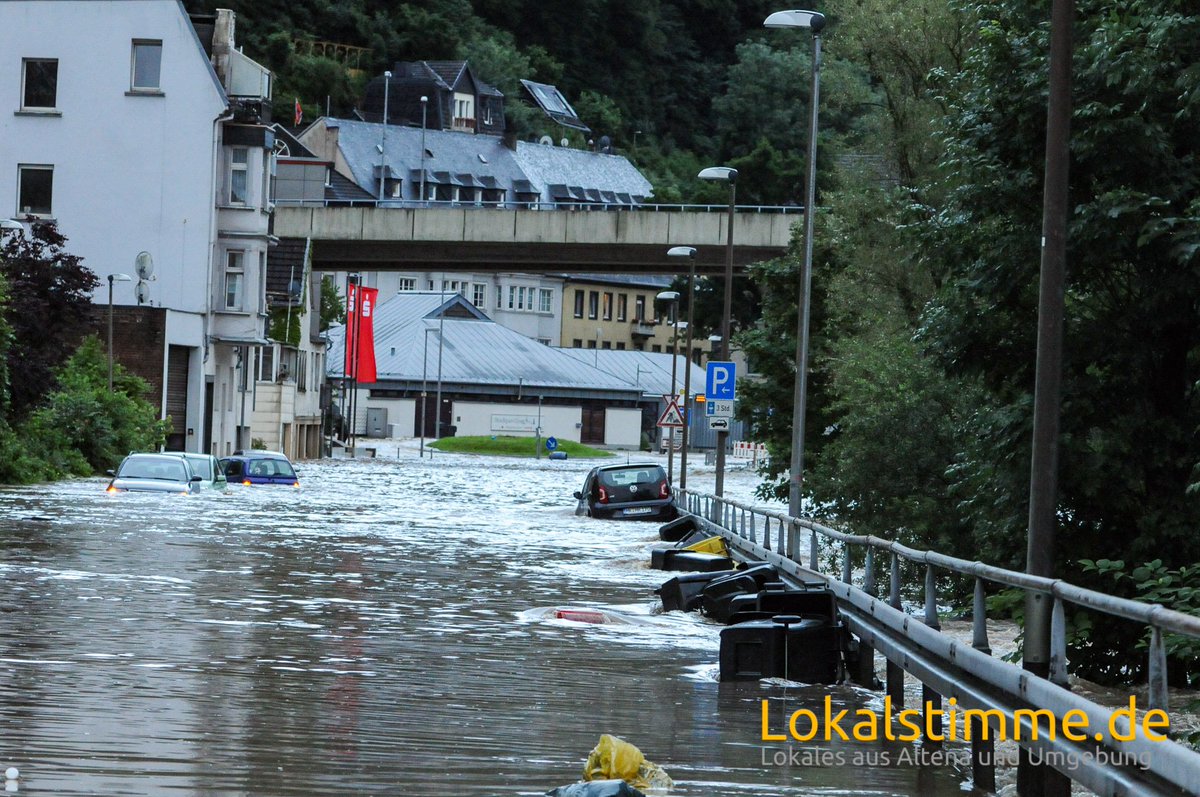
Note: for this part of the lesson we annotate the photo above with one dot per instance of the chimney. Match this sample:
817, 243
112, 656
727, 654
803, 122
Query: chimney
509, 139
223, 42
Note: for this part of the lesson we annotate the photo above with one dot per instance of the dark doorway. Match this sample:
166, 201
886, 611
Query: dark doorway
178, 358
592, 433
206, 421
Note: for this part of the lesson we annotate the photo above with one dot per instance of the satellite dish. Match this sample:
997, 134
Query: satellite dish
546, 140
143, 292
564, 143
144, 265
605, 144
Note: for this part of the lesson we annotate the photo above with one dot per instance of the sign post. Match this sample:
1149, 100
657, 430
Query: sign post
720, 390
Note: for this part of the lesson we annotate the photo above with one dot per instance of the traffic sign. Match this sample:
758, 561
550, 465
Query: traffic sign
551, 443
672, 416
719, 424
720, 381
718, 409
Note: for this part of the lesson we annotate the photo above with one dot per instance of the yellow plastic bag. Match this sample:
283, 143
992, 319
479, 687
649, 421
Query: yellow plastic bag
617, 758
711, 545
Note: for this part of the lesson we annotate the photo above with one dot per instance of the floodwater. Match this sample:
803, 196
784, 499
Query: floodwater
374, 632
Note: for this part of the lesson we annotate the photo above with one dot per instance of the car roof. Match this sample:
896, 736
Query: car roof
188, 454
260, 454
630, 465
151, 455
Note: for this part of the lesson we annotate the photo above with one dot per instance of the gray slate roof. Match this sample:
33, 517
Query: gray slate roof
483, 156
477, 350
650, 370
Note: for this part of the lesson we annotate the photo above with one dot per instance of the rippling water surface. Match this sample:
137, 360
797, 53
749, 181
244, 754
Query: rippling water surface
373, 632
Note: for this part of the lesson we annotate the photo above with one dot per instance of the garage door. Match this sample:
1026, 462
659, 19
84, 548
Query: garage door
178, 358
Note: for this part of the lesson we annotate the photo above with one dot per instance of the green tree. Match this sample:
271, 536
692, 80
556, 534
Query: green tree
49, 308
333, 305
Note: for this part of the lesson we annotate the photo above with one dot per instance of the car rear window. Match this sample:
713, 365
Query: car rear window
139, 468
625, 476
271, 467
201, 466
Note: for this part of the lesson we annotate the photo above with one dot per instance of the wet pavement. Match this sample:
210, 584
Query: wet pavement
374, 632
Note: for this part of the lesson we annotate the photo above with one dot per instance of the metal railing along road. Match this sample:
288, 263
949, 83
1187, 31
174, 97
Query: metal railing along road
651, 207
971, 674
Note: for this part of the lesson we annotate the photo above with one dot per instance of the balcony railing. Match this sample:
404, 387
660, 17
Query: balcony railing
642, 329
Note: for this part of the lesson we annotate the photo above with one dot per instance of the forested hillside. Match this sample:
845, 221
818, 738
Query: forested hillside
927, 243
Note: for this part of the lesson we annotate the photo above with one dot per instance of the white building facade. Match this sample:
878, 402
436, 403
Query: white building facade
132, 138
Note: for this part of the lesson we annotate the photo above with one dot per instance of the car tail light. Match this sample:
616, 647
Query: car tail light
246, 483
295, 484
663, 490
603, 496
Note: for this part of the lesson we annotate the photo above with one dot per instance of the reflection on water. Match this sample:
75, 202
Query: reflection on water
369, 633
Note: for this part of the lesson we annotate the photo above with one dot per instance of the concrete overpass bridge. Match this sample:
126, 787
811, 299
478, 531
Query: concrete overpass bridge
471, 239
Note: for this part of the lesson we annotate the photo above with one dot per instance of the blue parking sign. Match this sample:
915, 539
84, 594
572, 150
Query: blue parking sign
720, 381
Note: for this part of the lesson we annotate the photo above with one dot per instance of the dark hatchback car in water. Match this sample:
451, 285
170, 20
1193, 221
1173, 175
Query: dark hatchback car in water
259, 467
154, 473
626, 492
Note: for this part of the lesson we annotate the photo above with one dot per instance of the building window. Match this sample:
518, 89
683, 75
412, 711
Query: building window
622, 306
40, 89
621, 345
592, 343
146, 69
239, 164
579, 304
235, 275
266, 364
656, 347
499, 297
407, 284
639, 309
608, 306
479, 295
544, 341
577, 343
593, 304
545, 300
35, 189
512, 297
606, 344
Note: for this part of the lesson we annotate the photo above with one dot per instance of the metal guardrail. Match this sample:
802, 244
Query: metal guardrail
970, 674
414, 204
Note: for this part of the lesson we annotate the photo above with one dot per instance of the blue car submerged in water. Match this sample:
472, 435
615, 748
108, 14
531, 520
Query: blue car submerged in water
259, 467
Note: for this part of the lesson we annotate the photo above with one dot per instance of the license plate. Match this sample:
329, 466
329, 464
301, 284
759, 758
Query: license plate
639, 510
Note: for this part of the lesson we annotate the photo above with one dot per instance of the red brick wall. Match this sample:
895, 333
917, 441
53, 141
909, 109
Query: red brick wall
139, 338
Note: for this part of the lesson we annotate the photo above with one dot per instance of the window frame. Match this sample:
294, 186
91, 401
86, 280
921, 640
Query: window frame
579, 303
242, 168
545, 300
25, 105
238, 271
29, 210
622, 306
607, 305
593, 305
134, 87
479, 294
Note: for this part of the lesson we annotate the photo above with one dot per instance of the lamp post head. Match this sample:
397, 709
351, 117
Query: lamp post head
722, 174
387, 75
681, 251
424, 99
11, 224
668, 296
119, 278
796, 19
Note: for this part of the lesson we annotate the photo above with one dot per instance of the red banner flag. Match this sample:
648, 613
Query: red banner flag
299, 113
360, 334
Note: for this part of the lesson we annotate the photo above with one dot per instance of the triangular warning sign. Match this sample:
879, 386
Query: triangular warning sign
671, 415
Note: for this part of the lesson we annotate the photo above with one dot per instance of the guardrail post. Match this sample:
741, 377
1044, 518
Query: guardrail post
983, 751
754, 530
869, 579
813, 548
931, 701
1158, 670
845, 563
895, 673
793, 540
1058, 644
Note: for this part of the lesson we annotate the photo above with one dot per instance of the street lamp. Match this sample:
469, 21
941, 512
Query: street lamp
690, 253
111, 279
387, 82
424, 391
11, 225
672, 298
424, 107
727, 175
815, 22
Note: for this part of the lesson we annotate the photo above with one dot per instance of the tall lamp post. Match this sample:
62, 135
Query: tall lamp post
387, 82
111, 279
690, 253
424, 391
672, 298
815, 22
727, 175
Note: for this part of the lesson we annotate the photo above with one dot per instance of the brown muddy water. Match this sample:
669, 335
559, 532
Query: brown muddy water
374, 632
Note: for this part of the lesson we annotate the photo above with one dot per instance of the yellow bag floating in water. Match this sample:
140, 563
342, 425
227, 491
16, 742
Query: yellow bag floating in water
711, 545
614, 758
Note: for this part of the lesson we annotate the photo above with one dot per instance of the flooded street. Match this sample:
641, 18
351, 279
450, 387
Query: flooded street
374, 632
